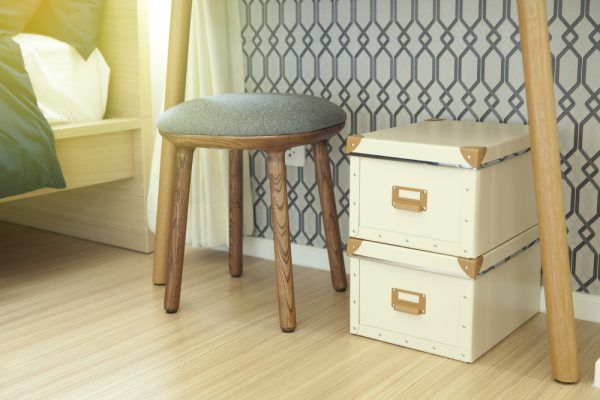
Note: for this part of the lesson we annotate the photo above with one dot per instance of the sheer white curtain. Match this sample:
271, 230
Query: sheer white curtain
215, 66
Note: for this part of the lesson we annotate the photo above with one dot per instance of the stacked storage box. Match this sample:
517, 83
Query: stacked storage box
443, 236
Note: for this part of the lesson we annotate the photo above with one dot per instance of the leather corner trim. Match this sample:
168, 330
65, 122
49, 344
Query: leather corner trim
352, 245
352, 142
473, 155
471, 266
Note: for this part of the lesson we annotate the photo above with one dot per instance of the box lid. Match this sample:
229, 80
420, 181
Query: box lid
463, 144
466, 268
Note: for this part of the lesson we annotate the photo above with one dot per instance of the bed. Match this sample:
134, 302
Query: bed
104, 160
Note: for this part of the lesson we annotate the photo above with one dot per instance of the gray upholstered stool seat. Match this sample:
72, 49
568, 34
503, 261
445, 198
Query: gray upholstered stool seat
249, 114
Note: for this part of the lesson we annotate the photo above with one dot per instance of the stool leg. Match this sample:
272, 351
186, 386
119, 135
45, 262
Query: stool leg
183, 171
281, 240
330, 217
236, 222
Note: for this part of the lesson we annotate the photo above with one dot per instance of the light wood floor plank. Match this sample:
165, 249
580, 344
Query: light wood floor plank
79, 320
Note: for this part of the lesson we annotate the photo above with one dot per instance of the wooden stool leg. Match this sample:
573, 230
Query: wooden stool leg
539, 85
330, 217
183, 166
281, 240
236, 223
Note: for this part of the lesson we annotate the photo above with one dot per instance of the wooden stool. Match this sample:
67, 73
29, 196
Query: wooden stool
269, 122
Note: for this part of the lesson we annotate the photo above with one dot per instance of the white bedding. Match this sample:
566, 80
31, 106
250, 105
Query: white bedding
68, 88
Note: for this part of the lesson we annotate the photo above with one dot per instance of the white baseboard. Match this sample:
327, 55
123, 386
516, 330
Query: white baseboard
586, 306
306, 256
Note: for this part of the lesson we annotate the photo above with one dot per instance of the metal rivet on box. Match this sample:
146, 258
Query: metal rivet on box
462, 354
434, 348
464, 327
380, 334
354, 274
435, 245
379, 236
405, 341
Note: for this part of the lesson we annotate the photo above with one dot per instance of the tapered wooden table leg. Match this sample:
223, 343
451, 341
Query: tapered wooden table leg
330, 218
236, 222
281, 240
183, 167
181, 11
543, 130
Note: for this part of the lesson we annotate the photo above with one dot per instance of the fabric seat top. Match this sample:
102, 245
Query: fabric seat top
251, 114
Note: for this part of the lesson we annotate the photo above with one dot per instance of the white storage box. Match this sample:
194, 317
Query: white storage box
453, 307
457, 188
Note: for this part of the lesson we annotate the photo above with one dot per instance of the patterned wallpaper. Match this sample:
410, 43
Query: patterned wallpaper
388, 62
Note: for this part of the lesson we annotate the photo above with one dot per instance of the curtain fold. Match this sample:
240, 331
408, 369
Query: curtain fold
215, 65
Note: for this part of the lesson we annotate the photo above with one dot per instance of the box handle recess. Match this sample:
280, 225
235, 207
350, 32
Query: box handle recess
409, 199
408, 302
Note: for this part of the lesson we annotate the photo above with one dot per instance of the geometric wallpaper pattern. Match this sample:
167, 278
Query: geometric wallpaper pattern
390, 62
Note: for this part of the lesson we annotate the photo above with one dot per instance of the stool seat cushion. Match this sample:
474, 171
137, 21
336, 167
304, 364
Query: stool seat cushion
251, 114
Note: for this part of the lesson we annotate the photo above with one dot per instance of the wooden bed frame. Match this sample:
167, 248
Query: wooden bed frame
106, 163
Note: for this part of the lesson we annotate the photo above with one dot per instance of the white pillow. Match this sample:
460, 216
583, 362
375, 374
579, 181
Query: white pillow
68, 88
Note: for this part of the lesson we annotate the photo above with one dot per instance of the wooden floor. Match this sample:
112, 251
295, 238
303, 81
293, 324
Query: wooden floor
80, 320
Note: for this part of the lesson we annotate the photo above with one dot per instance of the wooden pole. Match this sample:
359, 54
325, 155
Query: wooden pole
539, 86
181, 12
